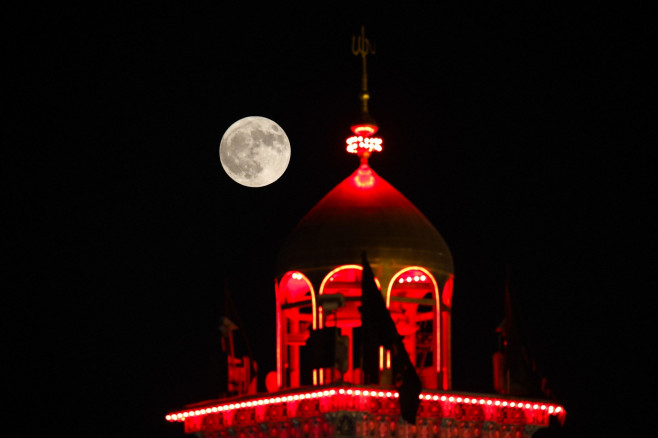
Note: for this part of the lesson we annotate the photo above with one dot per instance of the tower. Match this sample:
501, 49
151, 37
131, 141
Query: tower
322, 385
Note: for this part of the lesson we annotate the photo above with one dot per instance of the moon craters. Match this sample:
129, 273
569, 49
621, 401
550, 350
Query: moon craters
254, 151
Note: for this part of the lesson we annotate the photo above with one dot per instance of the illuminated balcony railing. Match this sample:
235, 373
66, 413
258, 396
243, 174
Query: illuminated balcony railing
382, 404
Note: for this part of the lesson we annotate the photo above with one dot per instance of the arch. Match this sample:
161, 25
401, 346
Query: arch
346, 281
413, 300
331, 275
341, 268
293, 289
296, 314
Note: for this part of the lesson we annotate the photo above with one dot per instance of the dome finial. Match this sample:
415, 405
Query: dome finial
362, 143
361, 47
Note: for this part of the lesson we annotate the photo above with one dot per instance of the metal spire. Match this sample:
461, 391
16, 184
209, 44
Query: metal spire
361, 46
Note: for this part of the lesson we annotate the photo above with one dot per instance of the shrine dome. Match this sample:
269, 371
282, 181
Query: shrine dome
364, 213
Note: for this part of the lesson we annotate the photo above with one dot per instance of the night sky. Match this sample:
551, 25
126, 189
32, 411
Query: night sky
519, 133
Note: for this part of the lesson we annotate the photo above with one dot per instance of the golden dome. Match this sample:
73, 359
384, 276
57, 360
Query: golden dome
364, 213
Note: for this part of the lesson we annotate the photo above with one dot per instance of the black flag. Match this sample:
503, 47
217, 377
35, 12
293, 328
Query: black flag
378, 329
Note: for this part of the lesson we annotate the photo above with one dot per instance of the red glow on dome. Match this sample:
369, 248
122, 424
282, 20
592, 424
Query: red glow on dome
364, 177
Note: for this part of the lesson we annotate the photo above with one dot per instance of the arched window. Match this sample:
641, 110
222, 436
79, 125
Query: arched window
413, 301
296, 316
339, 301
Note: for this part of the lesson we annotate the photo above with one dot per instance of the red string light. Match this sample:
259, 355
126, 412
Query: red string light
552, 409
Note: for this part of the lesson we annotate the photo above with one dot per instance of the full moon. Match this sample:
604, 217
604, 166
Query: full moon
254, 151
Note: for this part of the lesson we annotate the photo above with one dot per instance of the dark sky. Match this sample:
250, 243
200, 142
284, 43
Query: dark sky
518, 131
